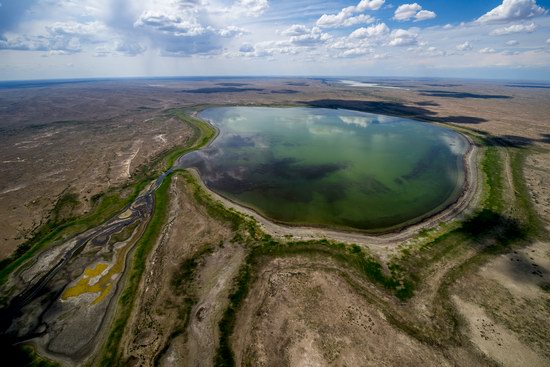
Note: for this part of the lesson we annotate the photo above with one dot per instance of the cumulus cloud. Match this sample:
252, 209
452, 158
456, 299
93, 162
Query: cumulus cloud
129, 48
370, 5
465, 46
184, 28
170, 24
487, 50
548, 41
406, 11
346, 17
515, 28
412, 11
343, 19
60, 38
512, 43
232, 31
402, 37
246, 48
313, 36
300, 35
295, 30
25, 43
424, 15
511, 10
372, 31
73, 28
251, 8
354, 52
426, 50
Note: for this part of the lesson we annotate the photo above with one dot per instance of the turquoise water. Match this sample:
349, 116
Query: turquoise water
334, 168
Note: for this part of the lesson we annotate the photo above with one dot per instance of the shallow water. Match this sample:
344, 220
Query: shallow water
336, 168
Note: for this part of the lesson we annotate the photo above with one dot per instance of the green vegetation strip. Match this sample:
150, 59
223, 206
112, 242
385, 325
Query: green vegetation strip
110, 353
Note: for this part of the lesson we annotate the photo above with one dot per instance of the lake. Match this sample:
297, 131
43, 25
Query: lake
331, 168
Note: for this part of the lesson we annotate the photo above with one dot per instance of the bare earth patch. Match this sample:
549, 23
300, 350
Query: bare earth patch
537, 177
299, 314
507, 307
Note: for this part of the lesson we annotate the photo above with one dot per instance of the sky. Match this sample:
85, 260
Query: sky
49, 39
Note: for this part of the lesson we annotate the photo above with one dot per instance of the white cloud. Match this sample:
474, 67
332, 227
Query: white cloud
424, 15
129, 48
346, 17
409, 11
170, 24
354, 52
372, 31
300, 35
232, 31
511, 10
465, 46
251, 8
487, 50
246, 48
423, 49
370, 5
342, 20
73, 28
515, 28
402, 37
295, 30
512, 43
406, 11
548, 41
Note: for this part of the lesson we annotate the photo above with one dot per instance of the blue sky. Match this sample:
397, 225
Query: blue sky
42, 39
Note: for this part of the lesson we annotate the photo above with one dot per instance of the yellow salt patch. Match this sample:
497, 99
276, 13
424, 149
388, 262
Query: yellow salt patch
88, 282
103, 293
126, 214
96, 270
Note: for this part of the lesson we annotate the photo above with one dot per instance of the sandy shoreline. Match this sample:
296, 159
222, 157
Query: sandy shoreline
381, 244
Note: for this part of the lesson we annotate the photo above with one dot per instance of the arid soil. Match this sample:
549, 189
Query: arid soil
537, 177
158, 313
506, 306
40, 163
302, 312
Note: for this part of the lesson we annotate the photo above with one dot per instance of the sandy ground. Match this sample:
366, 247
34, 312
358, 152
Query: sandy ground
506, 308
156, 314
301, 312
495, 340
537, 177
213, 285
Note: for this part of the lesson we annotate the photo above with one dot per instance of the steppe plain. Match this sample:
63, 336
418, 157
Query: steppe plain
184, 277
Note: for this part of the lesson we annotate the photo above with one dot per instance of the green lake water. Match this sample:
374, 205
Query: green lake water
334, 168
